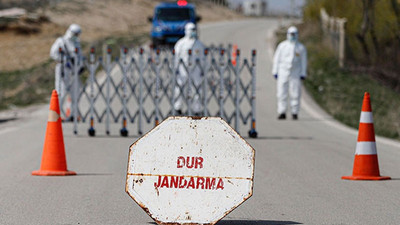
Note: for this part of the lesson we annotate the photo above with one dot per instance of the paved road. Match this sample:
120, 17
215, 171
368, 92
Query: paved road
297, 177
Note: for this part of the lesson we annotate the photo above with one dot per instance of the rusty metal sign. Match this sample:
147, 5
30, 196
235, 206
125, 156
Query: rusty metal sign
190, 171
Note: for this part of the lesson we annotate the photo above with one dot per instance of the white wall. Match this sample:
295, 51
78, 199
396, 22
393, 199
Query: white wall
252, 8
278, 7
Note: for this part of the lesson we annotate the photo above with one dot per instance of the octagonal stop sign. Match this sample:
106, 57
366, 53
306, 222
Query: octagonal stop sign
190, 171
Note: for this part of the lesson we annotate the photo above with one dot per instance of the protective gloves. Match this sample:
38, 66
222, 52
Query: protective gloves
68, 65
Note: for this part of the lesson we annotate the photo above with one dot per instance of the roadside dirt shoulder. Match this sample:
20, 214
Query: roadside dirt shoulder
99, 19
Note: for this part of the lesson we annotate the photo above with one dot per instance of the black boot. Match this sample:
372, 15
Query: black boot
294, 116
282, 116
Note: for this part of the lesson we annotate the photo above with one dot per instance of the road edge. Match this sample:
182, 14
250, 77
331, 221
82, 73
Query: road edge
314, 110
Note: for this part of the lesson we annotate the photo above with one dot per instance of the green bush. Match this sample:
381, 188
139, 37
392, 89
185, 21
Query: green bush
25, 87
383, 24
34, 85
340, 92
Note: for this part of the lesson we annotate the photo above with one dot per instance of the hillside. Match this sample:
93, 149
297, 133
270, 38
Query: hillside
99, 19
372, 58
26, 71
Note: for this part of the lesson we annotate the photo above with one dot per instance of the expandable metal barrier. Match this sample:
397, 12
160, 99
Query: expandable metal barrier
146, 89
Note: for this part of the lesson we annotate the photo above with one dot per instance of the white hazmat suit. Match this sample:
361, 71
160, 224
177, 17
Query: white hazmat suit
289, 67
189, 41
67, 43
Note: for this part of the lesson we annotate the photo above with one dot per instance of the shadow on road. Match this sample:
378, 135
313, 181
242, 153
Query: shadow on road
256, 222
315, 120
134, 137
284, 138
7, 119
85, 135
252, 222
94, 174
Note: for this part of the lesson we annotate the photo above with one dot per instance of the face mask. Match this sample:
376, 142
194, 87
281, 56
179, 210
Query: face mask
75, 38
193, 34
292, 37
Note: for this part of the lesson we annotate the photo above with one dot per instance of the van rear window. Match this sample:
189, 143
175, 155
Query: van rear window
173, 14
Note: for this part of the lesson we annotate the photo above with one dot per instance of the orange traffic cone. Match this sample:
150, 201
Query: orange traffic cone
53, 158
366, 159
68, 108
234, 54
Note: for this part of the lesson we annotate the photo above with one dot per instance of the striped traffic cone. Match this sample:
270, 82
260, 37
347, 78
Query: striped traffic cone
366, 159
54, 162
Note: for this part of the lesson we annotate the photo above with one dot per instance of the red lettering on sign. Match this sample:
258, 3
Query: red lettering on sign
199, 162
180, 182
220, 184
200, 183
165, 183
210, 183
181, 162
191, 183
174, 182
156, 185
190, 162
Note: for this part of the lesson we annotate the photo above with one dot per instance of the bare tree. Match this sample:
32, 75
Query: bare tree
396, 10
372, 28
368, 27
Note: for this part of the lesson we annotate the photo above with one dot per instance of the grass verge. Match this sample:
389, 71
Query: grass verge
340, 92
26, 87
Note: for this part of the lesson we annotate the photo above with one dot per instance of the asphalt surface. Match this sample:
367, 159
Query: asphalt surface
298, 169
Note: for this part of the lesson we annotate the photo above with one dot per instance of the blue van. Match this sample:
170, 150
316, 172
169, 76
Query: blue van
169, 20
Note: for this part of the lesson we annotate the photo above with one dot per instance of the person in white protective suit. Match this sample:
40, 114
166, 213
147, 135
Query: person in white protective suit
189, 41
68, 43
289, 68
